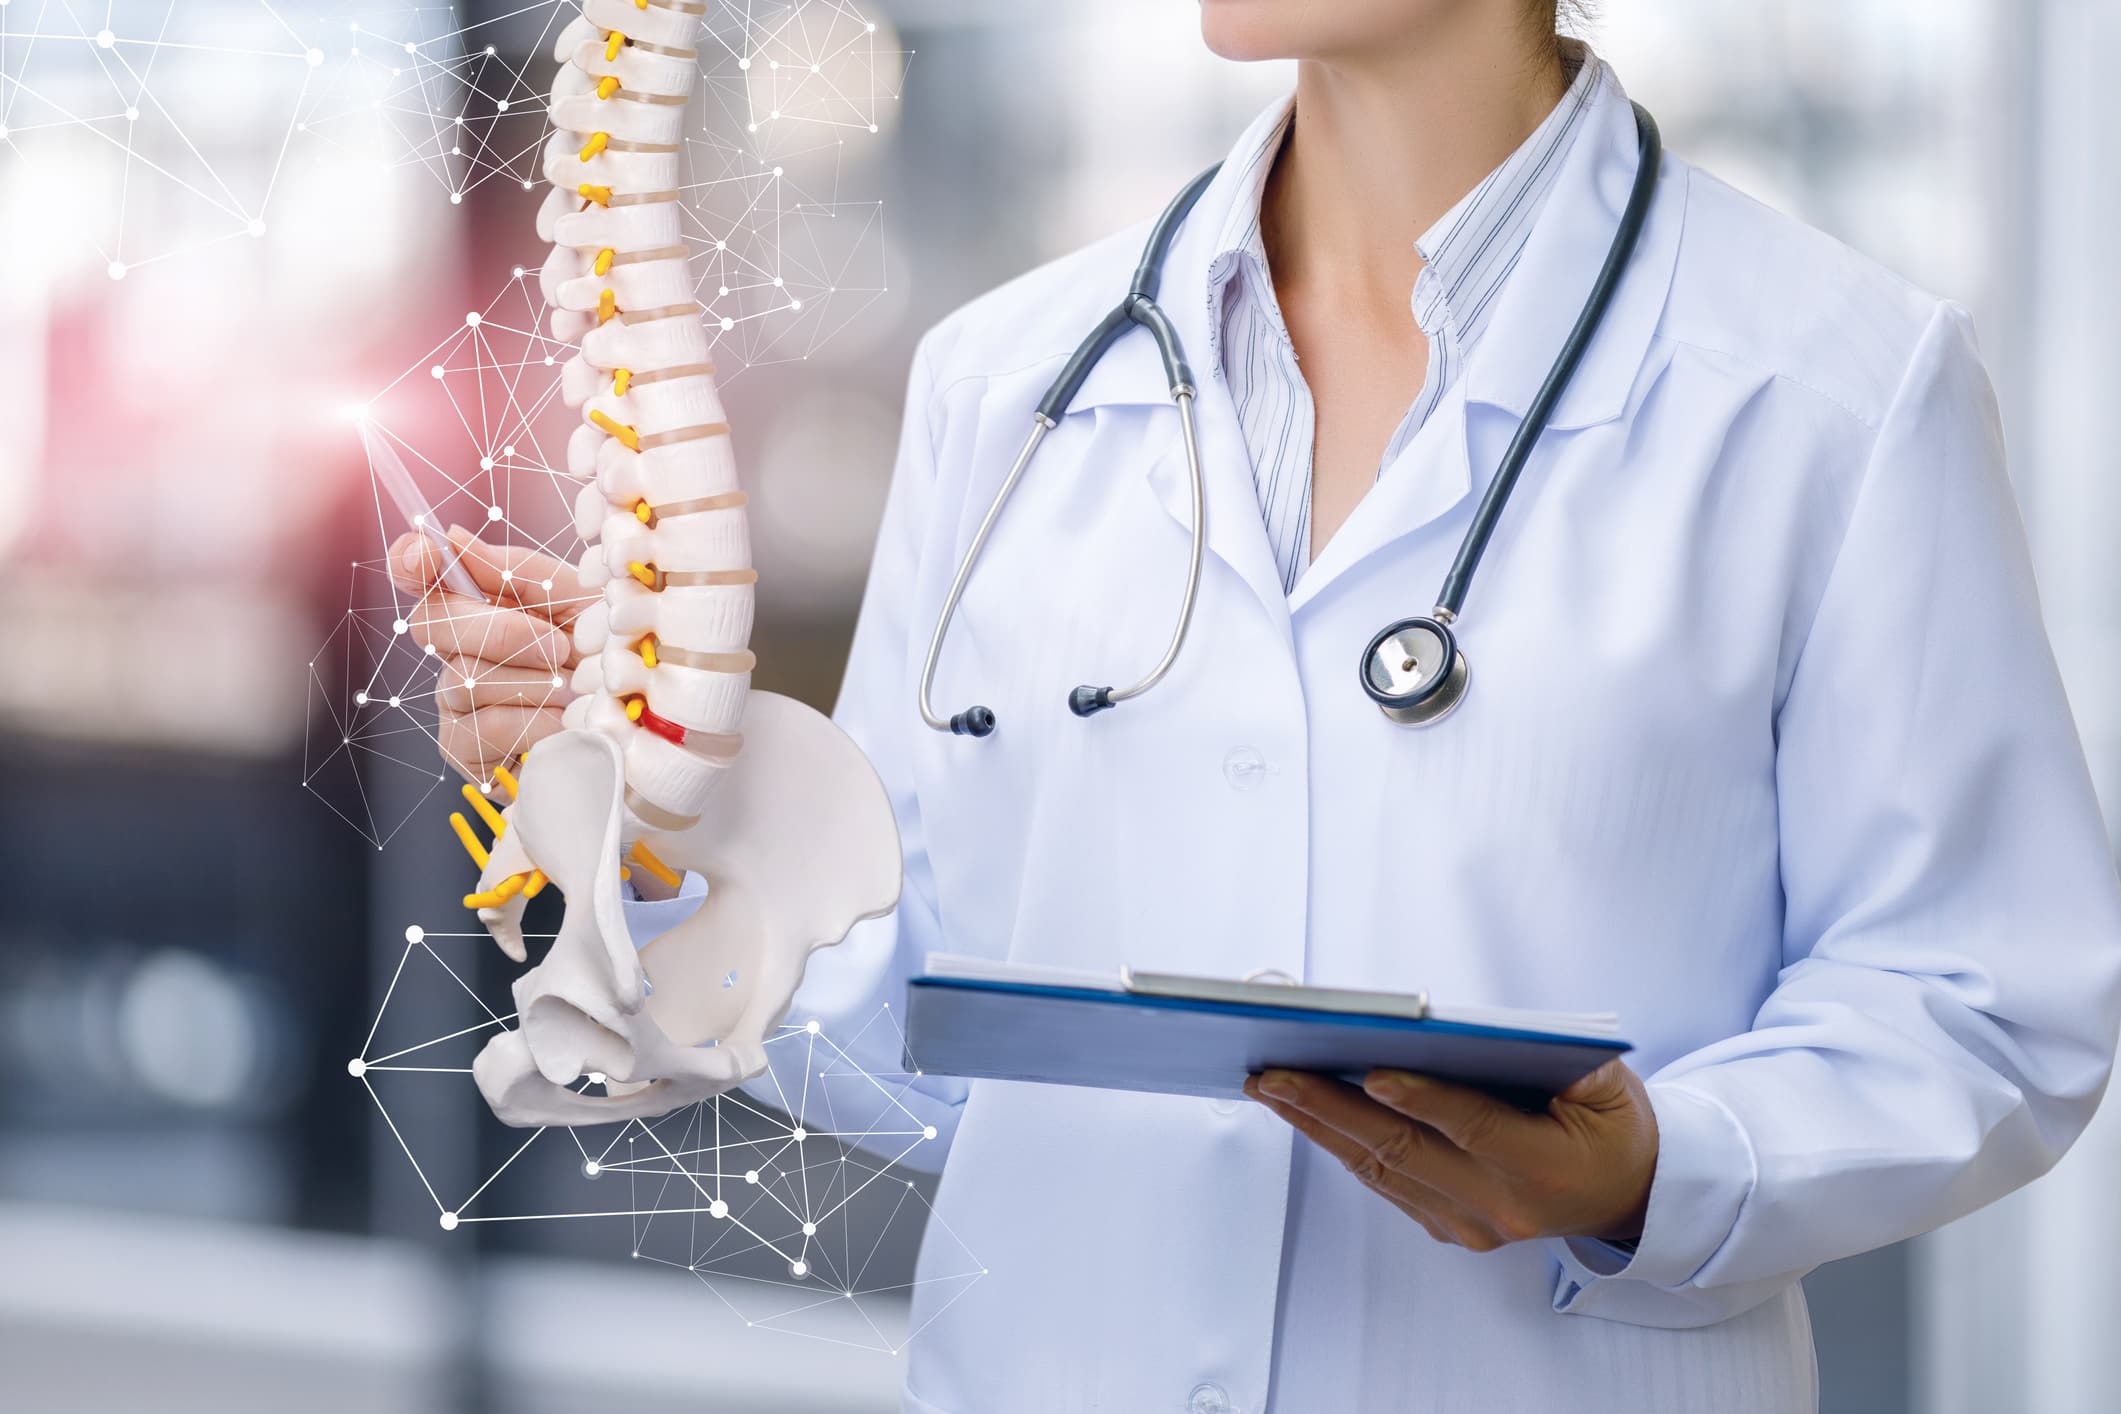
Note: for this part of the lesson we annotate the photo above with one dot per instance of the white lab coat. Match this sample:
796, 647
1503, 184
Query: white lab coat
1765, 750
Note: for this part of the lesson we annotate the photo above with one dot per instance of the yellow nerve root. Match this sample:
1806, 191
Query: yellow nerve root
469, 840
613, 43
607, 86
628, 438
491, 816
597, 143
644, 857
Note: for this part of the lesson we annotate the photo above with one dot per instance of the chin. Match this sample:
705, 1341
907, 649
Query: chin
1246, 30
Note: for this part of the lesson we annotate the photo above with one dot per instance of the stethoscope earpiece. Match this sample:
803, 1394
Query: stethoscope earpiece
1414, 672
1087, 701
973, 721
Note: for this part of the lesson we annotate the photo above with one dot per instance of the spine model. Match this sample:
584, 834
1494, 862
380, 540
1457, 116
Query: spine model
666, 667
794, 837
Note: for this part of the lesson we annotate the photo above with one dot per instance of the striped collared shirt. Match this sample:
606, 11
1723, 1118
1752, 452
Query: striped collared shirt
1467, 256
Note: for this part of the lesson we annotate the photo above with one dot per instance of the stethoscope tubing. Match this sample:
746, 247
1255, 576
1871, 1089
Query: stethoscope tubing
1445, 683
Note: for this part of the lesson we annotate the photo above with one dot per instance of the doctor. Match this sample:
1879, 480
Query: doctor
1762, 747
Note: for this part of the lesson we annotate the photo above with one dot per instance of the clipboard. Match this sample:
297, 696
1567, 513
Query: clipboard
1163, 1034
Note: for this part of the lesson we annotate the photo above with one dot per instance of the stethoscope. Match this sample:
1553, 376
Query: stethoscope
1413, 669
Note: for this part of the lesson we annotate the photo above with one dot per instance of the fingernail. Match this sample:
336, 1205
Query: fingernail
1385, 1087
554, 648
1279, 1083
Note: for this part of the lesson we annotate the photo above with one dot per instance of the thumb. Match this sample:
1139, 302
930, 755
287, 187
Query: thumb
1606, 1088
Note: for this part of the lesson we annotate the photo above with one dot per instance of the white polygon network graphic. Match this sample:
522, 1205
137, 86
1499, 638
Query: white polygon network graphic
781, 260
162, 128
762, 1196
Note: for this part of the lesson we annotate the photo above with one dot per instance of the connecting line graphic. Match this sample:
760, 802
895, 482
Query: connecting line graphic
781, 263
779, 1206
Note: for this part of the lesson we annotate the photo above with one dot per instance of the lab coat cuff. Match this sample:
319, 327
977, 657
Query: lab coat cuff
1705, 1171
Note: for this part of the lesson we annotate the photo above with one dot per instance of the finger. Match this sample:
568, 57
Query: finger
1476, 1123
1605, 1088
415, 566
466, 628
1396, 1144
476, 742
523, 576
468, 683
1446, 1219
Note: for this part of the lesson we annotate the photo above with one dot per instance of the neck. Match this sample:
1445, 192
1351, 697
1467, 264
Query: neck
1385, 142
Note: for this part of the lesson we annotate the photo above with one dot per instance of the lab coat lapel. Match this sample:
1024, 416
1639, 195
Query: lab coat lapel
1131, 375
1533, 315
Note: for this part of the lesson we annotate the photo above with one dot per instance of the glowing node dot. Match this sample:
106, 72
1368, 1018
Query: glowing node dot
776, 172
592, 1168
456, 198
116, 270
508, 577
519, 275
721, 245
810, 1229
395, 702
529, 185
399, 625
105, 39
777, 282
501, 105
724, 292
257, 228
799, 1267
430, 653
928, 1132
132, 115
801, 1134
315, 57
360, 699
435, 372
811, 1027
490, 51
493, 512
548, 357
544, 584
751, 1175
449, 1222
555, 679
596, 1077
486, 463
509, 450
471, 320
357, 1067
411, 48
727, 323
717, 1209
872, 127
415, 933
795, 304
743, 63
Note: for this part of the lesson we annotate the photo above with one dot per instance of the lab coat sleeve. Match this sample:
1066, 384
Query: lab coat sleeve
856, 989
1944, 1018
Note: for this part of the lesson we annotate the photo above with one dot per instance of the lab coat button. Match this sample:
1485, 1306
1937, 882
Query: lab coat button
1209, 1399
1244, 768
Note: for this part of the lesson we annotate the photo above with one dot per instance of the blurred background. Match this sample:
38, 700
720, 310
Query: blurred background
225, 223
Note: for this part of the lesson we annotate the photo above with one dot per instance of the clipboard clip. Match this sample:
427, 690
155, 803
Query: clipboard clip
1268, 987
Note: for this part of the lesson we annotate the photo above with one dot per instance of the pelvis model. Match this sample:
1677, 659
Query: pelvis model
669, 761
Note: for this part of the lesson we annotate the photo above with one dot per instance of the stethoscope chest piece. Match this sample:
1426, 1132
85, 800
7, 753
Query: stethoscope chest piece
1414, 672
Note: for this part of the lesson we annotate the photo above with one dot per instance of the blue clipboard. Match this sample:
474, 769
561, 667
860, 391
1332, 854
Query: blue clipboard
1181, 1045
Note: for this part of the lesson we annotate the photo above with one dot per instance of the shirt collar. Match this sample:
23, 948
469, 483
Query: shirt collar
1467, 254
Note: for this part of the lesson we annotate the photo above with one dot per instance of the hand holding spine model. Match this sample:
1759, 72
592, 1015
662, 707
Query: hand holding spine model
669, 762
